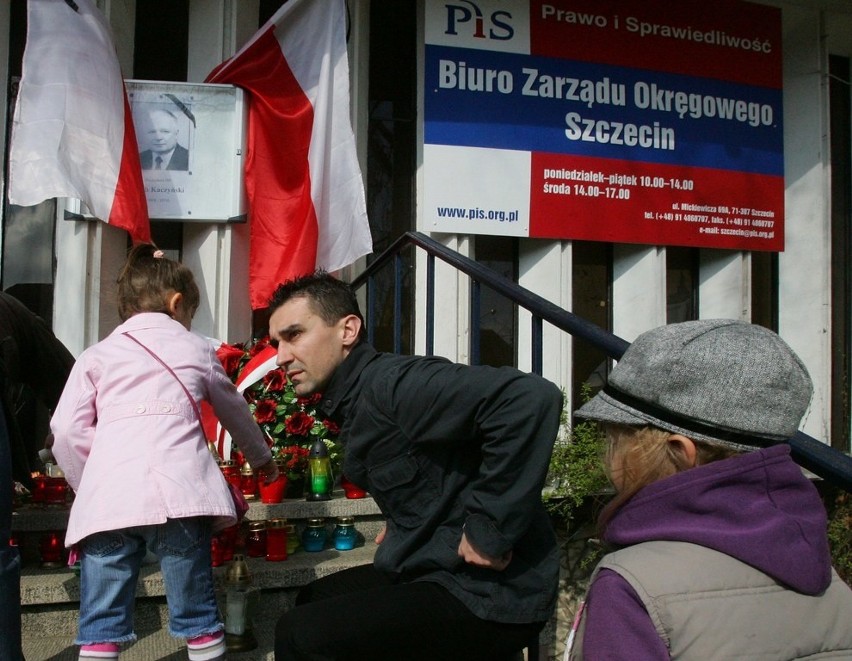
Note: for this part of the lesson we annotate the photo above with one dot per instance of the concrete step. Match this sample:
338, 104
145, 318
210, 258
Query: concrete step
50, 602
62, 586
54, 641
50, 596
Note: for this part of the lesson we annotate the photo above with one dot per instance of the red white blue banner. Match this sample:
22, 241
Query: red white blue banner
632, 121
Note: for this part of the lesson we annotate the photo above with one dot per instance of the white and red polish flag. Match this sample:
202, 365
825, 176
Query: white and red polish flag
303, 182
261, 364
72, 131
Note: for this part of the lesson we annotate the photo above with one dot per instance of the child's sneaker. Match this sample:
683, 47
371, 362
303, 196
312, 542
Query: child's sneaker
99, 651
207, 647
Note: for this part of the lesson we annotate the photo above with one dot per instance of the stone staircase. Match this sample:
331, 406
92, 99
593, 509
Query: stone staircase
50, 596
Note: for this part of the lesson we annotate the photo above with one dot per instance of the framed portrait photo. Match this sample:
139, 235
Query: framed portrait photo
191, 139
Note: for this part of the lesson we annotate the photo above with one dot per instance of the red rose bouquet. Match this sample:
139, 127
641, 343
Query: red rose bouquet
289, 422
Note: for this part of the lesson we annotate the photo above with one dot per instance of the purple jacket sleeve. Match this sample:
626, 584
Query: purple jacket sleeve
617, 624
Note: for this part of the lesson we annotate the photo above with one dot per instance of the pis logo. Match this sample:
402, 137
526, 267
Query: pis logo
470, 18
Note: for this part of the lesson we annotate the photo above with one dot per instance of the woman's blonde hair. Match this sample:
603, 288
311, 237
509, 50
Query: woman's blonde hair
148, 279
644, 456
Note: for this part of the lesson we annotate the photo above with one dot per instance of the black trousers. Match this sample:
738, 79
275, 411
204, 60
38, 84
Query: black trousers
361, 614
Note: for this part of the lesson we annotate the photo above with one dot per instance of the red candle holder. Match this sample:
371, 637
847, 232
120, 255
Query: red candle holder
229, 541
39, 492
351, 490
56, 491
231, 472
217, 551
256, 539
248, 482
274, 491
276, 540
52, 550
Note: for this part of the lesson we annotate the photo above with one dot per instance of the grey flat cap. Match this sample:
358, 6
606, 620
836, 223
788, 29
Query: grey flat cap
719, 380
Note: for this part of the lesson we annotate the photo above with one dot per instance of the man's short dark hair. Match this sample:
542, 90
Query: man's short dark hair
330, 299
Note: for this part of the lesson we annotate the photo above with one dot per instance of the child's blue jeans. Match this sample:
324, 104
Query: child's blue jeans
109, 571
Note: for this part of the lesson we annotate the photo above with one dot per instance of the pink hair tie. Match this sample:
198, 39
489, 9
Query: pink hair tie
158, 254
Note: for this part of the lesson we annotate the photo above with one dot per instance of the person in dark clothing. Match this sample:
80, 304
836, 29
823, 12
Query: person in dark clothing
31, 357
719, 544
455, 456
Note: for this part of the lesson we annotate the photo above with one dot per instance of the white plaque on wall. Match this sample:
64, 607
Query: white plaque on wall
191, 146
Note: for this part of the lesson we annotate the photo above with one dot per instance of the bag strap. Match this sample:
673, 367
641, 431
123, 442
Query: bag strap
241, 505
170, 371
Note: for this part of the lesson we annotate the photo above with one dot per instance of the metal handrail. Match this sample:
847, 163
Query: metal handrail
831, 465
538, 306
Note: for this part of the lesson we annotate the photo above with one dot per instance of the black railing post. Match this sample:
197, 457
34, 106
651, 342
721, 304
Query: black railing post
372, 320
397, 304
536, 348
430, 304
475, 321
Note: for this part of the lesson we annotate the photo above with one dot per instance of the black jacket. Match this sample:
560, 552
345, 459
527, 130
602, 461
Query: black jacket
443, 447
179, 161
33, 363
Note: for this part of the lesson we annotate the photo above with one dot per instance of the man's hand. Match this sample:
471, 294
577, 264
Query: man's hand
474, 557
381, 536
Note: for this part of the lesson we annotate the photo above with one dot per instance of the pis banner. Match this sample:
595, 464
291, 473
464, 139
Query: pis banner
631, 121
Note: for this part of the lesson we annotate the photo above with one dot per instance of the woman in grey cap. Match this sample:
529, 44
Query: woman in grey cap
720, 540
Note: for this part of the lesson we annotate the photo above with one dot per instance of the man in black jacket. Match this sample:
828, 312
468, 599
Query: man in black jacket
455, 456
33, 362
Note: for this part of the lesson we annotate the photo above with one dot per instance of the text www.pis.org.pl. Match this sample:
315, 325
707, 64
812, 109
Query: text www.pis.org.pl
476, 213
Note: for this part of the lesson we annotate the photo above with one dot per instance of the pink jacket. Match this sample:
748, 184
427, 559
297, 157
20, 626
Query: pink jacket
128, 438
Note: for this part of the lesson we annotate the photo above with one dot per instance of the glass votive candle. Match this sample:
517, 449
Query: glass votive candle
217, 551
256, 539
351, 490
248, 482
344, 536
51, 550
39, 492
231, 472
15, 542
274, 491
56, 491
292, 539
276, 540
314, 535
229, 541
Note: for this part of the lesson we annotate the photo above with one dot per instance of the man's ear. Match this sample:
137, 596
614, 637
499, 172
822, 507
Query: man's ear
173, 303
351, 330
684, 447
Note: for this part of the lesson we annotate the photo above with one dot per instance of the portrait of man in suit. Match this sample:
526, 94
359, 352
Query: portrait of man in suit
164, 152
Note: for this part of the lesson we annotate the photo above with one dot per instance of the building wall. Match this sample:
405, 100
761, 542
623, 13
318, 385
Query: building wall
805, 264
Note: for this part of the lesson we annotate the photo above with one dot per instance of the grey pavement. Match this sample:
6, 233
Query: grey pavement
153, 644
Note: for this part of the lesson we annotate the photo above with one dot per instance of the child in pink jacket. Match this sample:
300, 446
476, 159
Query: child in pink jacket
128, 437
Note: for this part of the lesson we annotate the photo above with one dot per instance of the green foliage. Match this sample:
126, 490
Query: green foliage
576, 465
840, 534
